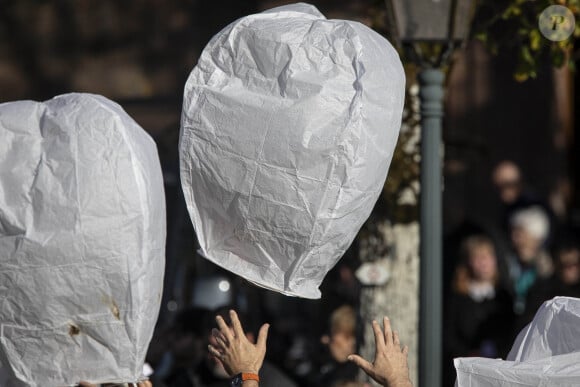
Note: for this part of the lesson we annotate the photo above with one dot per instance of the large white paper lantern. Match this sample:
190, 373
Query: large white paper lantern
288, 128
82, 238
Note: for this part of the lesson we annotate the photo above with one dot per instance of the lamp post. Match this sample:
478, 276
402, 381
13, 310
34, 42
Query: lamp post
427, 31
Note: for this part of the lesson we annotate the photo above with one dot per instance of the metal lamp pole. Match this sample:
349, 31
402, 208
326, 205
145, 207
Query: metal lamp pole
431, 289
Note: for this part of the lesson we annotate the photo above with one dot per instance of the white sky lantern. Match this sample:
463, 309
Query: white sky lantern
288, 128
82, 240
545, 353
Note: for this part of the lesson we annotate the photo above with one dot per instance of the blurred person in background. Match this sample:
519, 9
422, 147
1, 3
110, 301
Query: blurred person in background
564, 282
529, 259
507, 179
514, 194
340, 342
479, 310
512, 190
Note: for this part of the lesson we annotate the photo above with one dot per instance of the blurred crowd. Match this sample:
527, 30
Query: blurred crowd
499, 276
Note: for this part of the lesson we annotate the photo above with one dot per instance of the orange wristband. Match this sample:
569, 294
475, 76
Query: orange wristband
250, 376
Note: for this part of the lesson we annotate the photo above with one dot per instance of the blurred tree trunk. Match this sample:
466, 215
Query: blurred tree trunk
399, 297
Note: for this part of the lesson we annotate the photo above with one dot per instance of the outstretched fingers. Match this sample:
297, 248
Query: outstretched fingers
388, 331
263, 336
224, 329
379, 337
363, 364
236, 324
214, 351
396, 339
220, 339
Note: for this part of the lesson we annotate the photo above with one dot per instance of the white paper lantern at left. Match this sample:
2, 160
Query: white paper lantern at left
82, 241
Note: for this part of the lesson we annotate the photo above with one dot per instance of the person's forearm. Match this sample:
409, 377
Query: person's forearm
250, 383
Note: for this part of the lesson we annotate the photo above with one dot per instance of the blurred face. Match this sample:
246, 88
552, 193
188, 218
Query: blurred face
483, 263
507, 181
525, 245
570, 266
340, 345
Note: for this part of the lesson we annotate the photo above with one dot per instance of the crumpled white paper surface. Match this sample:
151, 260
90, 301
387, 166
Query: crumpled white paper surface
288, 128
546, 352
82, 239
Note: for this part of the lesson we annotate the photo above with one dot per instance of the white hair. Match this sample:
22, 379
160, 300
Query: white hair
533, 220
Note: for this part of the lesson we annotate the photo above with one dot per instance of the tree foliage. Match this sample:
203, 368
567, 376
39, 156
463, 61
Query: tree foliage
399, 200
511, 26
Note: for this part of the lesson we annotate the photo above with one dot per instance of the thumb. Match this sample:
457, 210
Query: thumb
361, 363
263, 335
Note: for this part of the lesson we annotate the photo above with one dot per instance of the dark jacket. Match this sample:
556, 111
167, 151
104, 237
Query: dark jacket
473, 328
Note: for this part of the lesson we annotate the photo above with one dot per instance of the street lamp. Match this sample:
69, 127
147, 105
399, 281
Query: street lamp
427, 31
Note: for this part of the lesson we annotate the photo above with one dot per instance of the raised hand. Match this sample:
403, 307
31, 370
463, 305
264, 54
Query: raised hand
234, 350
390, 367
